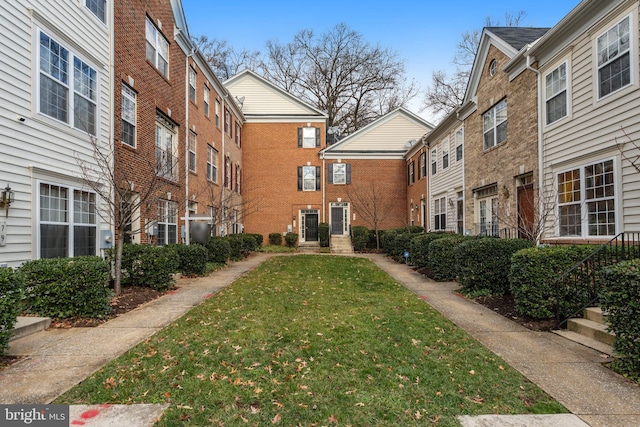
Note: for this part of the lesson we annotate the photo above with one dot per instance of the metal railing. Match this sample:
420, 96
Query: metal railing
166, 164
580, 286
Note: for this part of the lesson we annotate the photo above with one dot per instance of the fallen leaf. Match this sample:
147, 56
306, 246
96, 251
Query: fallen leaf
276, 419
359, 404
472, 372
333, 419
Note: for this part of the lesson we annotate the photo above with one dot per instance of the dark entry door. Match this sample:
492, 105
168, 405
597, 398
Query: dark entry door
337, 220
311, 227
526, 212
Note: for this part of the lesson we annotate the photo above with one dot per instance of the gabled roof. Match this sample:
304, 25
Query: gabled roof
262, 99
387, 137
509, 40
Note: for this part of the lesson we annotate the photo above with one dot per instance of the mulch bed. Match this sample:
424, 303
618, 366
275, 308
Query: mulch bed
506, 306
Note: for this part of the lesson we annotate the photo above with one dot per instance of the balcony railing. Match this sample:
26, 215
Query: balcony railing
166, 164
487, 229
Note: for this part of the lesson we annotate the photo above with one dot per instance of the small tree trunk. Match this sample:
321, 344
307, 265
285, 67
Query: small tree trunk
117, 287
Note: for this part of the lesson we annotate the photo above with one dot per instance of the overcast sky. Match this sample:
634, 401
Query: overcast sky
424, 33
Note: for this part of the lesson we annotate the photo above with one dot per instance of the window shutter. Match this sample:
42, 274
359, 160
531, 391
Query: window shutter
299, 137
330, 173
317, 137
299, 178
348, 173
317, 178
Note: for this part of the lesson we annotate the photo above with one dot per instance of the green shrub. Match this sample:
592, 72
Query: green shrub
323, 234
193, 259
291, 239
620, 298
275, 238
360, 237
483, 264
532, 277
442, 255
11, 286
148, 266
259, 238
397, 240
67, 287
419, 247
237, 247
219, 249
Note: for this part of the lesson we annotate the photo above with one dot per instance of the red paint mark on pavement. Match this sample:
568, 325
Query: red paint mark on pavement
171, 292
90, 414
424, 297
104, 405
208, 295
458, 294
77, 423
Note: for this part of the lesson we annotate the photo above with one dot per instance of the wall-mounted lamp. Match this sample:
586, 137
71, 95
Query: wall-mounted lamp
8, 196
451, 203
293, 218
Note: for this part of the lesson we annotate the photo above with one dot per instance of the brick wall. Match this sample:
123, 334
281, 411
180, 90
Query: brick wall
417, 192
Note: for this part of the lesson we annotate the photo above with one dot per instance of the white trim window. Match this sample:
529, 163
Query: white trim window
556, 94
192, 84
206, 92
440, 214
57, 78
308, 178
238, 177
445, 154
167, 222
157, 49
459, 143
217, 113
339, 173
129, 113
212, 164
434, 161
586, 200
98, 8
494, 124
614, 58
192, 151
67, 221
166, 149
308, 137
422, 165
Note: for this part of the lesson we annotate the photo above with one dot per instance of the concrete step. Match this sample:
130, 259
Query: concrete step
595, 314
341, 245
29, 325
591, 329
586, 341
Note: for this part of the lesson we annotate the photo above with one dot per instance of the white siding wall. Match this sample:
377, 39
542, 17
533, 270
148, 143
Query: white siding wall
40, 147
391, 134
261, 99
446, 182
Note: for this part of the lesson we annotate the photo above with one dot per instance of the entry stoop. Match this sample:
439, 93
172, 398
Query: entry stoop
341, 245
29, 325
591, 331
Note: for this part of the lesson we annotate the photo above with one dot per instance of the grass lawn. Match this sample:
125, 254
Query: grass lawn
314, 340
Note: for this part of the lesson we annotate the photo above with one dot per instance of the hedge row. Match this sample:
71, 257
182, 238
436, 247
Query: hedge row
11, 287
396, 241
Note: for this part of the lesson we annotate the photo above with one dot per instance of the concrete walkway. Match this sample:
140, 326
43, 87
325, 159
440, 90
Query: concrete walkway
57, 360
569, 372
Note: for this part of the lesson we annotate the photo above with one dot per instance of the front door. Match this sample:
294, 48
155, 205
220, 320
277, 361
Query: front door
526, 212
311, 227
337, 221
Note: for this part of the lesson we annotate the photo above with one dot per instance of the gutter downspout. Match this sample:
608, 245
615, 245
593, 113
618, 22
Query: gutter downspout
187, 133
540, 162
323, 186
112, 139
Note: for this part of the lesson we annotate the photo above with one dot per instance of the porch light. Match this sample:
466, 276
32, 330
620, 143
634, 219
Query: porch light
8, 196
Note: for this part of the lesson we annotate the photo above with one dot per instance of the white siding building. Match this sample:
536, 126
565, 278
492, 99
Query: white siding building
589, 128
55, 99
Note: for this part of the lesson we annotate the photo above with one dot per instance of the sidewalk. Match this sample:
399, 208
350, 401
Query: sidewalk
569, 372
57, 360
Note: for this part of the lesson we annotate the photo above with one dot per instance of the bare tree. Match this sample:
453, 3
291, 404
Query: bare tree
447, 90
125, 200
372, 203
225, 60
341, 74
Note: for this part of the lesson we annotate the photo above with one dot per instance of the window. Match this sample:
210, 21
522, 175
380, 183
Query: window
227, 122
167, 222
67, 222
440, 214
238, 140
459, 142
57, 80
217, 113
493, 66
238, 176
212, 164
206, 101
556, 94
157, 49
614, 58
192, 151
308, 178
308, 137
339, 173
445, 154
227, 172
166, 149
434, 161
422, 165
98, 8
411, 169
586, 200
487, 212
192, 84
495, 125
129, 113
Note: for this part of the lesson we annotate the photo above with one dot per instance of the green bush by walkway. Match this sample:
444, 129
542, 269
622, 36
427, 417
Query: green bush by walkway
11, 286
